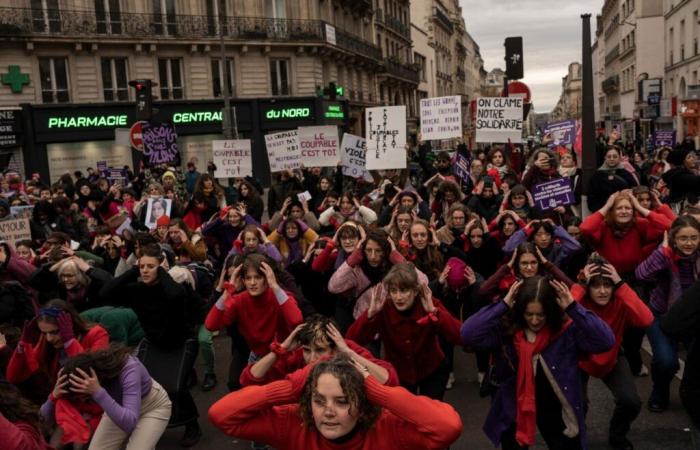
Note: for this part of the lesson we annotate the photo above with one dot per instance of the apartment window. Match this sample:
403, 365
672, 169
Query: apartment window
276, 9
54, 80
108, 17
217, 72
279, 76
213, 17
420, 61
46, 16
164, 19
170, 72
115, 85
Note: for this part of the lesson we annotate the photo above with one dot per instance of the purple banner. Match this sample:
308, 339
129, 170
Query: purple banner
115, 176
159, 143
461, 167
553, 193
664, 138
561, 133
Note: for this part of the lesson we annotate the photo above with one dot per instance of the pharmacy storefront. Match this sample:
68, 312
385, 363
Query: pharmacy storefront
61, 139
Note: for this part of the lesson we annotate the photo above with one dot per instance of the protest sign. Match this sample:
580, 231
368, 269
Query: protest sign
22, 211
553, 193
353, 152
499, 119
157, 207
441, 118
159, 143
116, 176
232, 158
562, 132
319, 146
664, 138
15, 230
283, 151
385, 129
461, 167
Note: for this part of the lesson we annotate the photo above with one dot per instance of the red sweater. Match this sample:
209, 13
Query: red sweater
294, 360
26, 363
627, 252
410, 341
260, 320
21, 436
326, 259
624, 310
269, 414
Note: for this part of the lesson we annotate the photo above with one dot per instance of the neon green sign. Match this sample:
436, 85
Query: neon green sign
88, 121
287, 113
194, 117
334, 112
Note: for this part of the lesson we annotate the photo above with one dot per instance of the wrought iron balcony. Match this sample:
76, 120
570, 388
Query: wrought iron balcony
441, 17
398, 69
355, 44
611, 84
396, 25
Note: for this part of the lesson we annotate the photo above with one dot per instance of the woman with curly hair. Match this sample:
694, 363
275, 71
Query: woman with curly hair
422, 248
340, 406
248, 195
19, 421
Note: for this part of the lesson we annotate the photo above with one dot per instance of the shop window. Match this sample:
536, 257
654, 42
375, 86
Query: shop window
279, 76
108, 17
54, 80
170, 72
115, 85
217, 74
164, 19
46, 18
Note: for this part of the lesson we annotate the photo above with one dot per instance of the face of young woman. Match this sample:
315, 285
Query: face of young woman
251, 241
624, 213
477, 167
374, 253
315, 351
234, 218
542, 161
85, 190
291, 230
208, 184
324, 184
567, 161
476, 237
458, 220
497, 159
690, 161
528, 265
419, 236
450, 197
254, 282
601, 293
508, 227
534, 316
408, 202
574, 231
24, 253
644, 199
612, 158
296, 212
345, 205
403, 299
157, 211
542, 238
331, 201
518, 200
148, 269
348, 243
50, 332
331, 409
244, 190
687, 240
403, 221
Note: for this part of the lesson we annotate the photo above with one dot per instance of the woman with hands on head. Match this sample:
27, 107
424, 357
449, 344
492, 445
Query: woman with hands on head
253, 239
504, 225
552, 240
421, 246
408, 321
295, 209
401, 220
136, 408
537, 333
344, 242
225, 227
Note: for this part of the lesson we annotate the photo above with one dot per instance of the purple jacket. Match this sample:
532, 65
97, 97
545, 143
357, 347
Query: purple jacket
226, 234
587, 334
664, 273
562, 248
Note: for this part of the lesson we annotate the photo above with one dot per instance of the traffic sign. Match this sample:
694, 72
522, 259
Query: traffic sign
136, 136
519, 89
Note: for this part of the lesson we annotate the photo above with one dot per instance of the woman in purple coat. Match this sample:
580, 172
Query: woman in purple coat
537, 322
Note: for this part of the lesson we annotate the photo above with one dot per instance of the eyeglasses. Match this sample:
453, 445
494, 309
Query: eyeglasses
687, 239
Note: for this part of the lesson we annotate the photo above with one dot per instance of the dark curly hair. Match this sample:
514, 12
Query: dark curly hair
15, 407
535, 289
106, 362
353, 386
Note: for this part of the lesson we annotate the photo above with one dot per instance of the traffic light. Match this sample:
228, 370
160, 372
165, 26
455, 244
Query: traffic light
331, 92
514, 58
144, 98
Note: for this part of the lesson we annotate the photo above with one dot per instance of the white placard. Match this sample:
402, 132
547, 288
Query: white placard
499, 119
441, 118
283, 151
232, 158
157, 207
385, 131
319, 146
330, 34
352, 153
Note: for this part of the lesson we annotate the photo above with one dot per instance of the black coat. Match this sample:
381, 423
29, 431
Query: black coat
46, 284
603, 184
681, 183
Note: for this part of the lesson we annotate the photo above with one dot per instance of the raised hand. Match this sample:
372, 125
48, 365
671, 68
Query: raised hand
426, 298
469, 275
608, 270
269, 276
564, 297
61, 387
338, 339
509, 299
291, 343
377, 301
84, 383
65, 326
443, 275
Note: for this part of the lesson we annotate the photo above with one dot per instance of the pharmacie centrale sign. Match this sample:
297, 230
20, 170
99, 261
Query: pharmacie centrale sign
96, 121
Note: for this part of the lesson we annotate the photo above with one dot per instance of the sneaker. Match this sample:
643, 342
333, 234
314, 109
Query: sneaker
656, 406
450, 381
209, 382
192, 434
620, 443
643, 372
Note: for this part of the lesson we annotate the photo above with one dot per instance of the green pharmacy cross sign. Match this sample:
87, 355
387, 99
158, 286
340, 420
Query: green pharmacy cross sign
15, 79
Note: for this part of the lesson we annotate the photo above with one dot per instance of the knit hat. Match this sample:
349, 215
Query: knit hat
676, 157
168, 174
163, 221
456, 279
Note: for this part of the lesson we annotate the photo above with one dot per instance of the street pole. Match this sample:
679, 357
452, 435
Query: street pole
226, 114
588, 150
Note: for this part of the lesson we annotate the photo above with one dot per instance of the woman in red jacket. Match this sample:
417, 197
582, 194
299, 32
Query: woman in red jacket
409, 326
340, 407
263, 312
609, 297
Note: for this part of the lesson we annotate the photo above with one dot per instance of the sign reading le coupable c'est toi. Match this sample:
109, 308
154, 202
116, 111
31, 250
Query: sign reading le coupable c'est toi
499, 119
319, 146
232, 158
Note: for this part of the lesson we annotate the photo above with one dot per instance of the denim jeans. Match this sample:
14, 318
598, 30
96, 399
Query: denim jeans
664, 362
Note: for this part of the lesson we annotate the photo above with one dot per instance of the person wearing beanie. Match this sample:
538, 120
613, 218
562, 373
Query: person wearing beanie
682, 179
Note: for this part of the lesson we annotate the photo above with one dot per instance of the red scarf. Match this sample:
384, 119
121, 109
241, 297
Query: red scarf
526, 405
72, 419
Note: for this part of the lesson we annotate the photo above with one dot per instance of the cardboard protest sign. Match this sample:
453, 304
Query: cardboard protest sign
319, 146
664, 138
499, 119
15, 230
441, 118
232, 158
159, 143
461, 167
22, 211
553, 193
385, 129
562, 132
353, 152
283, 151
157, 207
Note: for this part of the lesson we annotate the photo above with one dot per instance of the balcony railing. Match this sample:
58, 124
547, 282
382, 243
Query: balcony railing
355, 44
400, 70
611, 84
612, 54
443, 18
444, 76
396, 25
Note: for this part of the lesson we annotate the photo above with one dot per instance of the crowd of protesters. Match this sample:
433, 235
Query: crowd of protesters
345, 300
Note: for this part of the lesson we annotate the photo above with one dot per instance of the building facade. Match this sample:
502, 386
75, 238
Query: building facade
570, 100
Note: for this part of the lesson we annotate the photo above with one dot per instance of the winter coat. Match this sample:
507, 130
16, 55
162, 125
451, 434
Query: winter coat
563, 245
662, 269
681, 182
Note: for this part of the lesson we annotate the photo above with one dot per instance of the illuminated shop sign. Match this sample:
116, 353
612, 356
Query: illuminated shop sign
334, 112
197, 117
88, 121
288, 113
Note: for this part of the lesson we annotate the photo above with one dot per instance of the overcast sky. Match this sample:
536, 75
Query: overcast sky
551, 31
